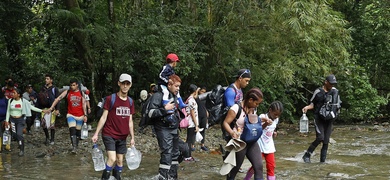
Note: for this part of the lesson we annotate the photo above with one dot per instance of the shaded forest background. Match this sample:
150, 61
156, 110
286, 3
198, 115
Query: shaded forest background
289, 46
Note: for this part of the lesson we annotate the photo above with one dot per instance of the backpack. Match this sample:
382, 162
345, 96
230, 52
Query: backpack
145, 119
44, 98
330, 109
216, 106
113, 97
225, 134
185, 122
252, 131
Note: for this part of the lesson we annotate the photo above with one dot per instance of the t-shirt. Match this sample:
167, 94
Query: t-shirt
233, 96
192, 105
266, 141
117, 123
241, 119
75, 103
9, 93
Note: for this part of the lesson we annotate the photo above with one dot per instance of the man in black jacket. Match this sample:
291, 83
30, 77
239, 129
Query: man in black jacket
166, 126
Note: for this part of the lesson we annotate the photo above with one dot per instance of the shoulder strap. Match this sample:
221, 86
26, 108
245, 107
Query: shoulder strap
130, 100
239, 111
113, 97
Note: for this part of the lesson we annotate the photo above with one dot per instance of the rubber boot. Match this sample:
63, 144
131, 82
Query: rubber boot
106, 175
116, 174
74, 143
1, 144
271, 177
21, 147
324, 151
52, 133
173, 172
306, 157
163, 174
47, 141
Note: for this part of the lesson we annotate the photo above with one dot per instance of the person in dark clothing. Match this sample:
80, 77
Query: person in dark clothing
167, 129
3, 114
323, 127
50, 119
202, 115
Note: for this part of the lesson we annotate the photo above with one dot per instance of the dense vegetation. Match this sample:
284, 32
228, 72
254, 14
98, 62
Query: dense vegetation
289, 46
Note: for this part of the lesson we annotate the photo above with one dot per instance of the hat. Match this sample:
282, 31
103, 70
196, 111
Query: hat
172, 58
244, 73
151, 85
124, 77
331, 79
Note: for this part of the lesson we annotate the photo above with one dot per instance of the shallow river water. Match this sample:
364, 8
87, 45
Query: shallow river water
356, 153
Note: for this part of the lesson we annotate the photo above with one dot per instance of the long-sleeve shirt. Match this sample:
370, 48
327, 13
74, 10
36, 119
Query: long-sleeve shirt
20, 107
165, 72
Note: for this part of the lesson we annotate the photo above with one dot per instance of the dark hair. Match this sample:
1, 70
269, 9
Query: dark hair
19, 91
192, 88
276, 106
73, 80
254, 93
173, 79
49, 76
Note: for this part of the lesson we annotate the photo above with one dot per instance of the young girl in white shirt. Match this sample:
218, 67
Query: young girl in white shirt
266, 141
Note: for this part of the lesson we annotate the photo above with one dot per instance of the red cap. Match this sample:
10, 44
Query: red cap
172, 58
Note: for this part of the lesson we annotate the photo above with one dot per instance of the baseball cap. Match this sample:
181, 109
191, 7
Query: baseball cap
172, 58
331, 79
125, 77
151, 85
244, 73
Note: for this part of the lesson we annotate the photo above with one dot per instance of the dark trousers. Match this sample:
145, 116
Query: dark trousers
168, 141
19, 126
323, 132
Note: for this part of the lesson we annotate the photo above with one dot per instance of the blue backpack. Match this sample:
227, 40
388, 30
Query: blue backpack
113, 97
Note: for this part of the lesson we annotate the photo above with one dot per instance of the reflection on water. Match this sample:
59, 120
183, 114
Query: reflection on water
356, 154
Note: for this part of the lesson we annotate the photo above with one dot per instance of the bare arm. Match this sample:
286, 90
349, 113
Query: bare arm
100, 125
58, 99
308, 107
231, 115
131, 127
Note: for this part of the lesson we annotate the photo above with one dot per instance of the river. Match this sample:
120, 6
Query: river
356, 153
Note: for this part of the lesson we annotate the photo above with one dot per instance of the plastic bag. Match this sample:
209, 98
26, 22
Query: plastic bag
133, 158
199, 136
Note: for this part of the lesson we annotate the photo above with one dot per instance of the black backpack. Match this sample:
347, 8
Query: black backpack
330, 109
145, 118
216, 106
45, 97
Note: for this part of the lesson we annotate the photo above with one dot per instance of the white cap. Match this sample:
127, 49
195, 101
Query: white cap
124, 77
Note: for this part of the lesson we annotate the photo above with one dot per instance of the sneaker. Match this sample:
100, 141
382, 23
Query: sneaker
204, 148
51, 142
47, 141
189, 159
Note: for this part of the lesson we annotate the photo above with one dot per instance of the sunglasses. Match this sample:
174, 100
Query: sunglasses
247, 71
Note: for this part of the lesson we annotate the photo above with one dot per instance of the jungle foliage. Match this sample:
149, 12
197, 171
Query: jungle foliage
289, 46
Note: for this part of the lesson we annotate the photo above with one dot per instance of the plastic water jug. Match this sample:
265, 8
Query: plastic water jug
7, 139
37, 124
304, 124
98, 158
84, 131
133, 158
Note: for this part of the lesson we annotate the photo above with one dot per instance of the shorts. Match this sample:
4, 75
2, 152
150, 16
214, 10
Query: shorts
75, 122
117, 145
